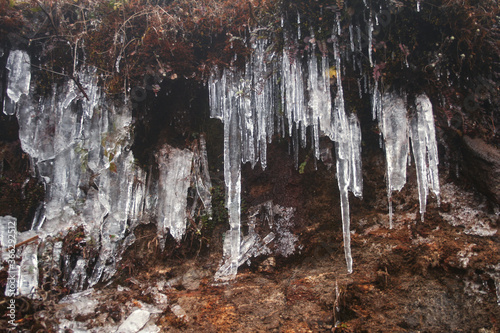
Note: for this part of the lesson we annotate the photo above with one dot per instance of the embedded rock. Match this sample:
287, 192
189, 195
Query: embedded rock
481, 164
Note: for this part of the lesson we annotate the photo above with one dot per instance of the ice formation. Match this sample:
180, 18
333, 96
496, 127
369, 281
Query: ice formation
175, 168
424, 147
239, 98
246, 103
393, 125
18, 82
285, 93
80, 146
397, 130
28, 278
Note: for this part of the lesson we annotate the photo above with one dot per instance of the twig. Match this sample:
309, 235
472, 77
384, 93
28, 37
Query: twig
29, 240
79, 86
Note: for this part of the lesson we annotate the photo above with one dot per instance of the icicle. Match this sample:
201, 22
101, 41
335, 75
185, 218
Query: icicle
351, 37
293, 89
358, 35
370, 38
356, 172
295, 145
319, 98
394, 127
298, 26
419, 154
376, 102
337, 18
343, 183
232, 178
423, 140
214, 88
340, 119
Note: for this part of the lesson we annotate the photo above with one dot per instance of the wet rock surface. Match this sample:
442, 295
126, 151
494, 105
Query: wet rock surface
482, 166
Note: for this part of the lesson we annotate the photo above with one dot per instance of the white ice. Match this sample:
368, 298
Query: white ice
18, 79
394, 127
424, 147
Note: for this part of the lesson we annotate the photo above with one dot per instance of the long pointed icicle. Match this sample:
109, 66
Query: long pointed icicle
343, 179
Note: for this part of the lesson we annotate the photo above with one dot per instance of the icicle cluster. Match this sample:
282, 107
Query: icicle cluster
80, 146
391, 109
246, 103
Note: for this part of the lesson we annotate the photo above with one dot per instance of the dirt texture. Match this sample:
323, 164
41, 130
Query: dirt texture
440, 275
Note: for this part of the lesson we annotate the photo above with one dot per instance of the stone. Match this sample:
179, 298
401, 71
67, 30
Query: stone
481, 165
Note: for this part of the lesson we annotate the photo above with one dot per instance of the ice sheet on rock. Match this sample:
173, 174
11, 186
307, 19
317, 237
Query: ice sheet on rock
201, 181
49, 261
175, 170
18, 79
280, 240
394, 127
81, 149
252, 245
78, 275
285, 240
135, 322
28, 278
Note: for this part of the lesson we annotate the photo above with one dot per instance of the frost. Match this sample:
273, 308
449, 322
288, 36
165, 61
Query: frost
466, 212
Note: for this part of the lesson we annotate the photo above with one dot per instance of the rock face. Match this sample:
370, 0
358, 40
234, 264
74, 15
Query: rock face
129, 196
481, 164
